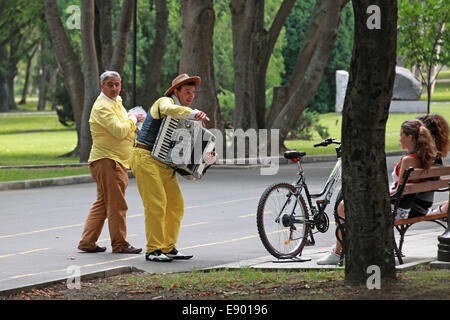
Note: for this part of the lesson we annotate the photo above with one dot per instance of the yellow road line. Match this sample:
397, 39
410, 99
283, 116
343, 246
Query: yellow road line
24, 252
248, 215
130, 258
41, 230
130, 217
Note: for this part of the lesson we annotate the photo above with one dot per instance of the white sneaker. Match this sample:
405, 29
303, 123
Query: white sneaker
157, 256
331, 259
175, 254
402, 214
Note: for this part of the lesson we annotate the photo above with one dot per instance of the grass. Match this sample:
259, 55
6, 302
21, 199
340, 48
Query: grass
441, 92
31, 123
420, 283
28, 174
37, 148
333, 122
31, 105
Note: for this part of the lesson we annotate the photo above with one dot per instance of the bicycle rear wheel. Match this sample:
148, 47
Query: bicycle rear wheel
282, 233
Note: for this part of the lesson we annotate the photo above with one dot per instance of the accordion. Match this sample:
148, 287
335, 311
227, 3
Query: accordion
181, 143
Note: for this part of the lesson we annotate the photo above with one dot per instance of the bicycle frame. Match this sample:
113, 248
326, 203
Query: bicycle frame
328, 189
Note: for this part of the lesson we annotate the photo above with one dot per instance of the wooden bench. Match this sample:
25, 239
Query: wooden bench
437, 179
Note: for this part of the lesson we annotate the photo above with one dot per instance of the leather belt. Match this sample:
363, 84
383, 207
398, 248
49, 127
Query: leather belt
143, 146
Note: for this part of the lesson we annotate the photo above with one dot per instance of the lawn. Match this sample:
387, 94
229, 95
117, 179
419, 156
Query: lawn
333, 122
37, 147
441, 92
31, 123
28, 174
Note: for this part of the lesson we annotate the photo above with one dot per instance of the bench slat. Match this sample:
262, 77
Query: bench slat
432, 172
411, 188
418, 219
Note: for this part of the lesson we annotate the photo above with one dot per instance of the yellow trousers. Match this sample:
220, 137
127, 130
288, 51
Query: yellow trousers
162, 199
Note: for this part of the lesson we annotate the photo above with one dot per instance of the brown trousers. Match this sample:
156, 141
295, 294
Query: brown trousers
112, 180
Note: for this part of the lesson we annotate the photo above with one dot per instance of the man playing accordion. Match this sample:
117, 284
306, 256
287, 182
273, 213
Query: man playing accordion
157, 182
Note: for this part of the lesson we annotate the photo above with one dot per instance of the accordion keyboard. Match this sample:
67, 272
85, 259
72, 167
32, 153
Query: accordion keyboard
165, 143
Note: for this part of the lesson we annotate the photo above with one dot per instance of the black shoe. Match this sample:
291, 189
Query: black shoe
175, 254
157, 256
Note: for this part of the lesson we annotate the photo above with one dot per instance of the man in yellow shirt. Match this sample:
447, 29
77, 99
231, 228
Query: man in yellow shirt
113, 134
157, 182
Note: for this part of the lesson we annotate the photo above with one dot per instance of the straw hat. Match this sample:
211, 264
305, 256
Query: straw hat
180, 80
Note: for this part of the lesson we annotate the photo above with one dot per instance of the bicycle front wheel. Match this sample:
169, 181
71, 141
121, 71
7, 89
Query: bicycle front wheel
281, 220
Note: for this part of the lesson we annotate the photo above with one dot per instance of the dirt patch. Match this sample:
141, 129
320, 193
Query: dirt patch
422, 283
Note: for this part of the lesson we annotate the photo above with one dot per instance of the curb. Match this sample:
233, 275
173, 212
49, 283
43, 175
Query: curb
110, 272
237, 164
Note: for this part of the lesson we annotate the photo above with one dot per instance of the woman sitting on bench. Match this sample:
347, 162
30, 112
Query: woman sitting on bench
439, 130
416, 138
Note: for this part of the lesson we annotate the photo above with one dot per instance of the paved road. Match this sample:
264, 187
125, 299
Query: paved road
40, 228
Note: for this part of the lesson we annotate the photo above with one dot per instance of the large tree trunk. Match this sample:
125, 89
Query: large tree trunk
369, 233
91, 80
103, 33
252, 48
329, 13
243, 24
68, 62
197, 52
123, 33
310, 42
148, 93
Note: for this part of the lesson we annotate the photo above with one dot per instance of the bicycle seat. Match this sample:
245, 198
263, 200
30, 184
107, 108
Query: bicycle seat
294, 154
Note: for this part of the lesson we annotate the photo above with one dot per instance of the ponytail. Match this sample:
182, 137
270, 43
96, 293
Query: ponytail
425, 147
439, 130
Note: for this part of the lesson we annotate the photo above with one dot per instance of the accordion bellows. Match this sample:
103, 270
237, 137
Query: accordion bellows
181, 143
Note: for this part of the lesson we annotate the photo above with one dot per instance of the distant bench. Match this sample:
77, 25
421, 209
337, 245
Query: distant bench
441, 174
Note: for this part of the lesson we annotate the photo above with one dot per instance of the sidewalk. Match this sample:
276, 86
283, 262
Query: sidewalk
420, 247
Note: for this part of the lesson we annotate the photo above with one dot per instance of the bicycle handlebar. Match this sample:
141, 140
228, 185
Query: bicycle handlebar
327, 142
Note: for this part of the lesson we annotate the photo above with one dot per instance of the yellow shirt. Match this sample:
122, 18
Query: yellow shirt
112, 132
167, 107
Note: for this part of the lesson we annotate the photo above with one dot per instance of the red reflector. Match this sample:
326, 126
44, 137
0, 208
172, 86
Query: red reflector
294, 160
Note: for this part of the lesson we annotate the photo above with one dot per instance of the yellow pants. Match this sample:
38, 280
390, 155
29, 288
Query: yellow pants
162, 199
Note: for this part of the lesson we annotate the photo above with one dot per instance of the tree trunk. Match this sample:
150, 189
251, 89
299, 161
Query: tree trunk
316, 55
243, 24
67, 60
369, 224
148, 93
123, 33
103, 33
12, 73
3, 77
282, 94
252, 48
197, 52
26, 85
91, 80
44, 75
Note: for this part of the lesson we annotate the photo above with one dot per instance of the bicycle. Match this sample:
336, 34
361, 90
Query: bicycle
283, 215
